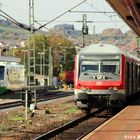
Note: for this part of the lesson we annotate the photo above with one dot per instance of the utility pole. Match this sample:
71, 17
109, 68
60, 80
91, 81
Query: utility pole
84, 28
50, 67
44, 60
31, 51
94, 30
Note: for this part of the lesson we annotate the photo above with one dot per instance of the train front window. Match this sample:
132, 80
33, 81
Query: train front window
89, 67
107, 69
110, 67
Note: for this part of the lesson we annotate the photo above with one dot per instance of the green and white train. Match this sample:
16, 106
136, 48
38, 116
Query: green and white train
12, 74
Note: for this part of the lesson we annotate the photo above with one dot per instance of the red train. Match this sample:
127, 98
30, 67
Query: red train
70, 77
105, 74
67, 77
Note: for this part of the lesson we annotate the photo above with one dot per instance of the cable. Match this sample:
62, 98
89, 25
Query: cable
99, 11
60, 15
89, 21
8, 17
96, 12
53, 31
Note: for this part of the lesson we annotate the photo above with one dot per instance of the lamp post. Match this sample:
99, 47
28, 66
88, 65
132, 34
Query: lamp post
61, 69
61, 72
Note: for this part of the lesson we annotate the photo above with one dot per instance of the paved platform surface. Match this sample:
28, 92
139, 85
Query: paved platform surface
124, 126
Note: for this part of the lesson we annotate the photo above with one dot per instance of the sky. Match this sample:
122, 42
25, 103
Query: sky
47, 10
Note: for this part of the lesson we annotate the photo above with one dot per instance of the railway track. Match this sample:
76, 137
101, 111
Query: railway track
40, 99
77, 128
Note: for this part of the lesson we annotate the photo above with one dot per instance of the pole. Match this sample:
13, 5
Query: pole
84, 28
26, 105
43, 60
31, 53
40, 64
50, 67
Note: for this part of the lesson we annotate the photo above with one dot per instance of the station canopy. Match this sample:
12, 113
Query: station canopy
129, 10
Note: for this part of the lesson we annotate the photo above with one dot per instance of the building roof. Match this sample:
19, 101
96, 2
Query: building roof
129, 10
9, 59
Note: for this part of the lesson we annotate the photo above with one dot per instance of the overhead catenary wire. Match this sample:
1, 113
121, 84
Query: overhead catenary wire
96, 12
60, 15
89, 21
53, 32
9, 18
15, 9
99, 11
12, 19
41, 26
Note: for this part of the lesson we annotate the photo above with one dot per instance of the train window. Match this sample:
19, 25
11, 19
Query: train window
1, 72
15, 75
110, 66
90, 67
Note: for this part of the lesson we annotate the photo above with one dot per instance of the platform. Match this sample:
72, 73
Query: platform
124, 126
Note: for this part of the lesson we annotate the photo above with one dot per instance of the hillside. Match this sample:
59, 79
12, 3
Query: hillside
11, 34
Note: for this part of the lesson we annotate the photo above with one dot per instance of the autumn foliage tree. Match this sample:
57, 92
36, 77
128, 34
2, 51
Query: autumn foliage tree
63, 52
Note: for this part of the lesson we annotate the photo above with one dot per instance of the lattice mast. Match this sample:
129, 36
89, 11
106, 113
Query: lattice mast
31, 50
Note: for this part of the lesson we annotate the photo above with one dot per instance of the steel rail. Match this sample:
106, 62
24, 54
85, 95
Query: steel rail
67, 126
41, 99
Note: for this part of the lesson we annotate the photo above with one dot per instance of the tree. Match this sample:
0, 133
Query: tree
61, 47
62, 52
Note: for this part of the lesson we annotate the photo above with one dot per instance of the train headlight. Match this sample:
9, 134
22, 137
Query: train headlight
85, 89
113, 89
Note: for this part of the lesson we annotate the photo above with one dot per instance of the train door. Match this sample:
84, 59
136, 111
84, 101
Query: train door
130, 78
138, 77
127, 78
134, 77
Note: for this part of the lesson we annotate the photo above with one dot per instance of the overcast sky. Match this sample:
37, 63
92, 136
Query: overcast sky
46, 10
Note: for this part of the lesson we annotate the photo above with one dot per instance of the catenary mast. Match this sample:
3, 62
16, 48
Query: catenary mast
31, 51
